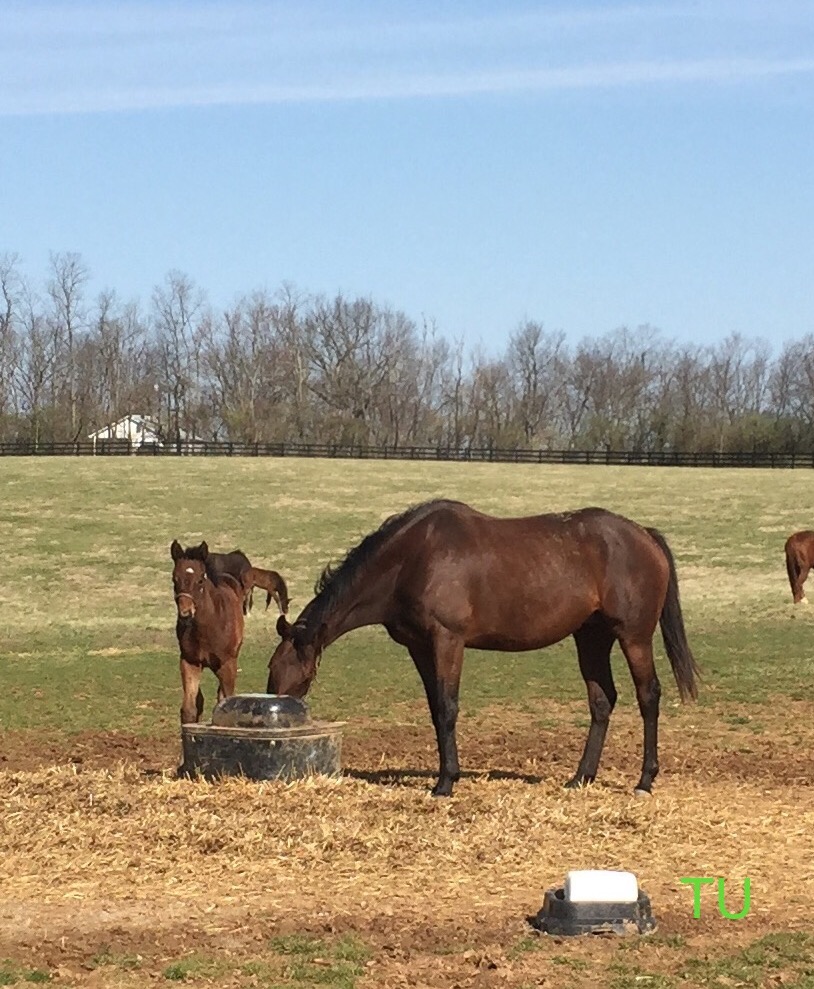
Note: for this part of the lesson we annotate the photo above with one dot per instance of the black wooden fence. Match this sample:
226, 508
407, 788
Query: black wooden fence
643, 458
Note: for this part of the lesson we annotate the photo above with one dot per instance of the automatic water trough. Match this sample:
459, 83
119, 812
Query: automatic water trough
262, 737
596, 901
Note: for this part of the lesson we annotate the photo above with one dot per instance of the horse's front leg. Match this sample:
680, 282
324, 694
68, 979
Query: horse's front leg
192, 702
440, 670
594, 644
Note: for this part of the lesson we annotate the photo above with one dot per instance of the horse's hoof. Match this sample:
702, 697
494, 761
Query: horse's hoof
441, 791
638, 792
578, 782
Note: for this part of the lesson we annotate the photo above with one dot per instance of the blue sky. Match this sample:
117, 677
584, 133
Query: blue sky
475, 164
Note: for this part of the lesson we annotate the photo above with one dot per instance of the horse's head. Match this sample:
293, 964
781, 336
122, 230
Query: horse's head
293, 665
188, 577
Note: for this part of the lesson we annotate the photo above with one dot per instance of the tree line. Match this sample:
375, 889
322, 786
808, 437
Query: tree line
290, 366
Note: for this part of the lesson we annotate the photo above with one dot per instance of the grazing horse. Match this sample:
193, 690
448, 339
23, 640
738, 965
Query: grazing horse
274, 586
235, 564
799, 560
443, 576
209, 626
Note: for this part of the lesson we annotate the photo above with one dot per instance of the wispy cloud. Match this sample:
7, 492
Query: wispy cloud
99, 57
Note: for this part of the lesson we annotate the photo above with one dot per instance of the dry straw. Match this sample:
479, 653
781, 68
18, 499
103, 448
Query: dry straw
118, 835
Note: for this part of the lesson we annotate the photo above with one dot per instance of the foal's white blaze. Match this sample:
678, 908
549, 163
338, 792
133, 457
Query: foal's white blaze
190, 569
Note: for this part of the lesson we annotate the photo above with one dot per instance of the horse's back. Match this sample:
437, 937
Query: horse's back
553, 537
522, 582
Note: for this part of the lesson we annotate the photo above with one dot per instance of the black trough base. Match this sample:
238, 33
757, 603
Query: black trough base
559, 916
212, 751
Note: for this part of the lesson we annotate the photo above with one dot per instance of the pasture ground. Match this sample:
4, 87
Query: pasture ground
113, 873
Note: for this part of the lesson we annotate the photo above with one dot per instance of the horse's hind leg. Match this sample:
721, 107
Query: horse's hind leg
227, 677
802, 599
797, 570
639, 655
594, 644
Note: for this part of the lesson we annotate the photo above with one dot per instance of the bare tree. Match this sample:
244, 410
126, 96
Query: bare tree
35, 368
536, 361
116, 373
244, 355
11, 291
739, 380
65, 289
353, 349
178, 309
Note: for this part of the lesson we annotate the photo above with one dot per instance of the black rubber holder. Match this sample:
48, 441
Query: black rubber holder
560, 916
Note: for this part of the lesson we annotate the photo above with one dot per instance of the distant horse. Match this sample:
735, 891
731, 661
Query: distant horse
274, 586
235, 563
799, 560
209, 626
442, 576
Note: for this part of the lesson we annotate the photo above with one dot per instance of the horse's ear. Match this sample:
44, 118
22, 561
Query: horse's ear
204, 550
176, 551
283, 628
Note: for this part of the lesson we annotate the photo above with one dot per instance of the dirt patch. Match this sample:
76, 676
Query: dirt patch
745, 744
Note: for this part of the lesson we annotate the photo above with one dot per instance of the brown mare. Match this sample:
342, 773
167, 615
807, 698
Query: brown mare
799, 560
235, 563
443, 576
274, 586
209, 626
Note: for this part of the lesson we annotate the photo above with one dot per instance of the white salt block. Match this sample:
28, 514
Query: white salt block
600, 886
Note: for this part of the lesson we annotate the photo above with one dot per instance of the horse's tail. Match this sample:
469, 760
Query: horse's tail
671, 620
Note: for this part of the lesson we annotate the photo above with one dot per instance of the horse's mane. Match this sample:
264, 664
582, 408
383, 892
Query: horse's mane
337, 579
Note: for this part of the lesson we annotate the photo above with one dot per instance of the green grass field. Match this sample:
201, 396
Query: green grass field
87, 637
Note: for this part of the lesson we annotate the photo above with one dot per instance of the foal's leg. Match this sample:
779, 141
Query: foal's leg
227, 676
594, 644
192, 702
440, 670
639, 655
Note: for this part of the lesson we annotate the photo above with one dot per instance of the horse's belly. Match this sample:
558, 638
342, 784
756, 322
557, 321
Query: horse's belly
509, 643
517, 630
